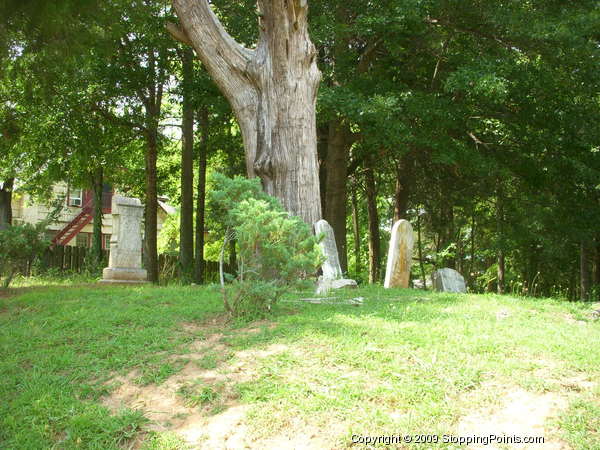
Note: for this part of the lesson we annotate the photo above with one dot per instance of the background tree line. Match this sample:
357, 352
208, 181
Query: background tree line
475, 121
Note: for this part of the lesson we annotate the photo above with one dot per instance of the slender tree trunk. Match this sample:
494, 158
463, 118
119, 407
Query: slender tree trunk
596, 273
186, 229
322, 144
501, 271
356, 230
374, 238
500, 231
152, 105
6, 189
272, 91
420, 250
335, 191
201, 194
447, 213
584, 271
472, 262
97, 188
232, 257
404, 178
151, 207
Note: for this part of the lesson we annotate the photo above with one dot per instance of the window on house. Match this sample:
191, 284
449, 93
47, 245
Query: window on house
82, 240
75, 197
106, 241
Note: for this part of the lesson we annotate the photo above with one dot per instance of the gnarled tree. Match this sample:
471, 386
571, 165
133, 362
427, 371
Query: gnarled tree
272, 90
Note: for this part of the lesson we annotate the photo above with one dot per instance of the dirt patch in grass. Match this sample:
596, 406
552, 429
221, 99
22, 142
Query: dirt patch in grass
15, 292
520, 413
199, 404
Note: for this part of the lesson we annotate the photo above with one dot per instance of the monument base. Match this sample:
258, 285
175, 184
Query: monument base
326, 285
122, 275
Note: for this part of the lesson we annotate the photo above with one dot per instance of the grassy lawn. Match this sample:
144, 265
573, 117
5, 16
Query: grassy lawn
160, 368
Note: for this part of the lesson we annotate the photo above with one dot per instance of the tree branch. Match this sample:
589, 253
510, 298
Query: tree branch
367, 56
177, 33
225, 59
118, 120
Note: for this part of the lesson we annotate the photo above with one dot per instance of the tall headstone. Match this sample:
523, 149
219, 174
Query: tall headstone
332, 270
125, 261
399, 259
448, 280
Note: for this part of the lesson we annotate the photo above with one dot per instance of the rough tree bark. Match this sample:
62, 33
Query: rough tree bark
201, 195
272, 91
186, 229
6, 189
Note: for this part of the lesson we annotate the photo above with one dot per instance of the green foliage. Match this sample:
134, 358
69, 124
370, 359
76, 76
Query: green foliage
228, 193
19, 244
168, 239
276, 251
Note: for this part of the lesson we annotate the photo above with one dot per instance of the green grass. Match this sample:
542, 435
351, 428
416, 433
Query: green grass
405, 361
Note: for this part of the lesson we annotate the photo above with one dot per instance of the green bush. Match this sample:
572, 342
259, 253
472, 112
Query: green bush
19, 244
276, 251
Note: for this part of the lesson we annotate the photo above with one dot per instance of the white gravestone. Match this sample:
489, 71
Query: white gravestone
125, 261
332, 270
448, 280
399, 259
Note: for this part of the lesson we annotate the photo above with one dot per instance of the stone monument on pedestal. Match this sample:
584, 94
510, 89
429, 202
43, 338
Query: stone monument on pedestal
125, 261
399, 259
332, 270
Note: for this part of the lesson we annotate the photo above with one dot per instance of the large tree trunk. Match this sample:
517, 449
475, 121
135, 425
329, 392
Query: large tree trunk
201, 195
6, 189
97, 188
335, 191
186, 228
272, 91
374, 239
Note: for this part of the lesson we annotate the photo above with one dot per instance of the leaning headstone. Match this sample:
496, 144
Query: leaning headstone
332, 270
448, 280
331, 267
325, 285
399, 260
125, 260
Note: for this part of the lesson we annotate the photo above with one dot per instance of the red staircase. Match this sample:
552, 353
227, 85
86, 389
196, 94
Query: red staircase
64, 236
